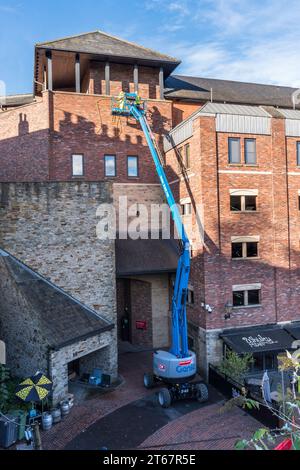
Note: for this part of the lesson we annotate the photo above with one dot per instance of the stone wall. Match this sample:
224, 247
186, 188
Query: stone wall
99, 351
26, 345
51, 227
137, 195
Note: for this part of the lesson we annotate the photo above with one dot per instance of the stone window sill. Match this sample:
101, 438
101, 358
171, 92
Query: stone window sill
246, 306
244, 212
243, 165
250, 258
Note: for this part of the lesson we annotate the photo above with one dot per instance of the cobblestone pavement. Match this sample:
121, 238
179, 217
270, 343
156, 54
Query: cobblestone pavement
182, 424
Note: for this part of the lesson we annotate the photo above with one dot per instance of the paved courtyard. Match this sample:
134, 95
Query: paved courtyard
130, 418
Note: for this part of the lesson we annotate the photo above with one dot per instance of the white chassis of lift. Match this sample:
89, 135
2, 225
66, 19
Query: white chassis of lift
178, 376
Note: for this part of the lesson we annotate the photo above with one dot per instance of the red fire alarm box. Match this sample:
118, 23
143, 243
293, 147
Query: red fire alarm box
141, 325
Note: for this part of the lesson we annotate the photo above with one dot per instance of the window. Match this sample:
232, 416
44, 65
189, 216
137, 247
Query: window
243, 203
237, 250
110, 165
244, 249
77, 165
187, 156
250, 151
298, 153
234, 150
190, 296
239, 299
186, 209
180, 159
247, 295
252, 249
235, 203
132, 166
250, 203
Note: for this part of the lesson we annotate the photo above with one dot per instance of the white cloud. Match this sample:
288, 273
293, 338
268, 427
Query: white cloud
275, 63
255, 41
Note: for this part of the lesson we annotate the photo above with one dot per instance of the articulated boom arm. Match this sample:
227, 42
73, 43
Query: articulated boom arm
179, 320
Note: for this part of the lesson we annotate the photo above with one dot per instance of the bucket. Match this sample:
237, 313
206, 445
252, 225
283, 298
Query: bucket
56, 415
47, 421
65, 408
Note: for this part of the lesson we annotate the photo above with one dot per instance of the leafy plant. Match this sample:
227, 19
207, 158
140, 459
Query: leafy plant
4, 392
288, 411
235, 365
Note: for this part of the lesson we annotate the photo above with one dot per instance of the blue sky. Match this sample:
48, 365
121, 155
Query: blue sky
256, 41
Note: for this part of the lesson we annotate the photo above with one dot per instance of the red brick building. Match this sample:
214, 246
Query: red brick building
233, 159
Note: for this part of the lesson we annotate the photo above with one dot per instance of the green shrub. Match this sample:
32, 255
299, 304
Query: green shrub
235, 365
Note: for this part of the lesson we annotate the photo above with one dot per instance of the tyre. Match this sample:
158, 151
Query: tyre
202, 393
164, 398
148, 381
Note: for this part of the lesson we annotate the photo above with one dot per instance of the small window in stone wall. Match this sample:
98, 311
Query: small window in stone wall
77, 165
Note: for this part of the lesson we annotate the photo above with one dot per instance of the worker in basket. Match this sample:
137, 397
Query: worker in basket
121, 100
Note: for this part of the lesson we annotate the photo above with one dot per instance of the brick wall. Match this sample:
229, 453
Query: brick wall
83, 124
37, 141
141, 310
121, 79
213, 272
182, 110
24, 142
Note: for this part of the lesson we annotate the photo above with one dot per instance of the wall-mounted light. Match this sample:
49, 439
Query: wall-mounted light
207, 307
228, 310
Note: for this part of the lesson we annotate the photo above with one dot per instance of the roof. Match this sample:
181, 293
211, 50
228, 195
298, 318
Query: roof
203, 89
257, 339
106, 46
146, 256
290, 113
64, 320
241, 110
17, 100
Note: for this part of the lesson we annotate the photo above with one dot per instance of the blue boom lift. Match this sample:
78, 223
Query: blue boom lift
175, 368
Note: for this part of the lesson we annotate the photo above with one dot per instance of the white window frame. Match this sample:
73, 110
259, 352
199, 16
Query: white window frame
115, 165
74, 156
